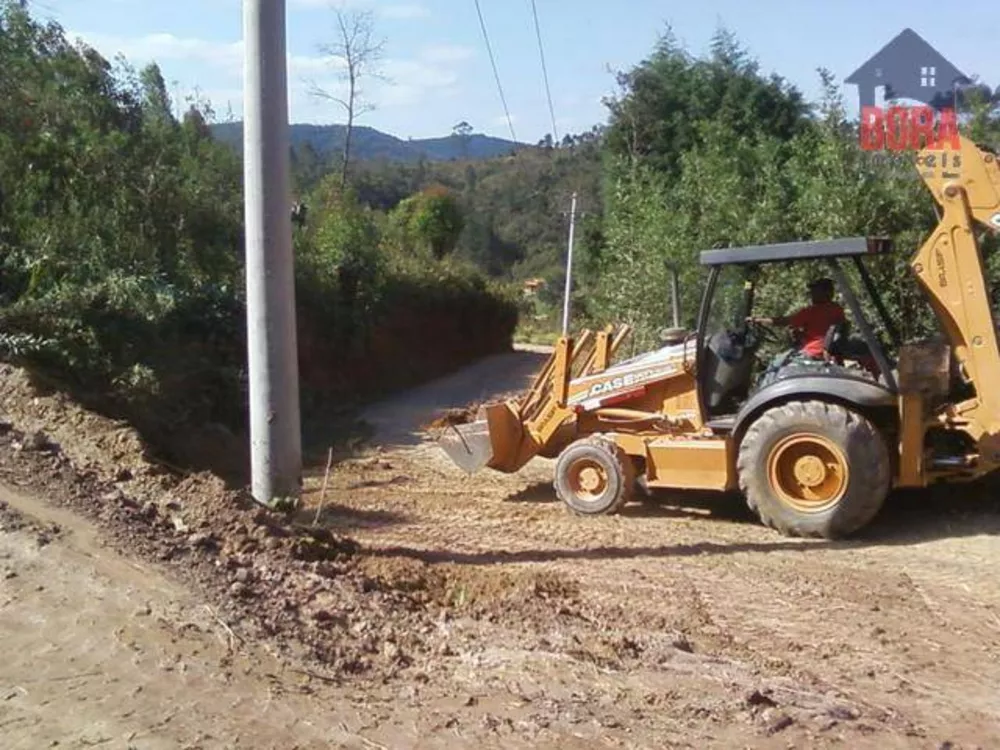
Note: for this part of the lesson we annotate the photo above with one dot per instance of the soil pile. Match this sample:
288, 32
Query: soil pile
467, 413
272, 574
486, 608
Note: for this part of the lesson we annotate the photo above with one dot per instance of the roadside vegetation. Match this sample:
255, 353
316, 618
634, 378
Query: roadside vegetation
122, 260
697, 152
708, 152
121, 227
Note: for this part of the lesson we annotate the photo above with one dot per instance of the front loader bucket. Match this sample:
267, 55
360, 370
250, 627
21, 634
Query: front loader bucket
468, 445
495, 440
508, 434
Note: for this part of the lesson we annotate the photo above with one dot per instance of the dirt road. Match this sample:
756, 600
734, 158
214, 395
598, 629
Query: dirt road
889, 639
102, 651
477, 612
400, 422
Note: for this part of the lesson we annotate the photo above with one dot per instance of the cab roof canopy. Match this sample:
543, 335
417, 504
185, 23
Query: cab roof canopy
793, 251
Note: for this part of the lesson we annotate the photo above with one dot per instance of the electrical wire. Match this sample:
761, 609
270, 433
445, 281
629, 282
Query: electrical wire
545, 72
496, 74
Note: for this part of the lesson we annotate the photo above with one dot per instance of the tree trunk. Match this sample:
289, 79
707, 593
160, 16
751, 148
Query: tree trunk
347, 151
350, 130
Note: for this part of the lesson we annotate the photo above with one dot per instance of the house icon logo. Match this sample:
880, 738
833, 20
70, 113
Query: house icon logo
909, 68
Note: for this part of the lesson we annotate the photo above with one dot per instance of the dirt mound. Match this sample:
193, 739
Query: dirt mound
114, 448
93, 442
467, 413
471, 590
311, 592
453, 417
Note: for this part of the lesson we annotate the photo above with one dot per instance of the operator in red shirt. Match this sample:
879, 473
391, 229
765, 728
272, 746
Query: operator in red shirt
814, 321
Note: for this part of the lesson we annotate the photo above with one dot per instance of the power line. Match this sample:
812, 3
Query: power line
496, 74
545, 72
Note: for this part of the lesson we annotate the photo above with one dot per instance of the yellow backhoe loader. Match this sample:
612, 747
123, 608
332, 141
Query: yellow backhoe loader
814, 446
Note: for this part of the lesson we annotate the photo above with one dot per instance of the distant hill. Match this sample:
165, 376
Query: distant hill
369, 144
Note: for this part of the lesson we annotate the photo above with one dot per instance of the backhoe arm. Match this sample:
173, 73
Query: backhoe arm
966, 184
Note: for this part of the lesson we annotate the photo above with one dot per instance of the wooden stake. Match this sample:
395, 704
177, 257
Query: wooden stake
322, 494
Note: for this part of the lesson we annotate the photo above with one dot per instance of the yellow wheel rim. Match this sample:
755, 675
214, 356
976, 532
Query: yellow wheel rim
588, 480
808, 472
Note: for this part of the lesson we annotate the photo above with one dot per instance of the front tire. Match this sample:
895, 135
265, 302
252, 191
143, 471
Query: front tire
814, 469
594, 476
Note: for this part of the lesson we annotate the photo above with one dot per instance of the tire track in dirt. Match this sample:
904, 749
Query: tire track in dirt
489, 616
890, 638
100, 651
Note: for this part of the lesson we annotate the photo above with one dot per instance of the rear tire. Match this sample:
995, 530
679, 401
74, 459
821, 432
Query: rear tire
814, 469
593, 476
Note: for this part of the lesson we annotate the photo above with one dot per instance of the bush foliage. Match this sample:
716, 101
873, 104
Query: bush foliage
121, 243
707, 153
121, 259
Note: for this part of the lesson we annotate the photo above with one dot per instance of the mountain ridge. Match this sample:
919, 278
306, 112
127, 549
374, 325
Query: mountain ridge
370, 144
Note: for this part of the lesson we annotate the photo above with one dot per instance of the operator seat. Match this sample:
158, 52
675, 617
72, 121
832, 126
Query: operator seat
836, 337
728, 363
839, 344
673, 336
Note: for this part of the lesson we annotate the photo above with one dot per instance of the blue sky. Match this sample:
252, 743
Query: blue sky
438, 68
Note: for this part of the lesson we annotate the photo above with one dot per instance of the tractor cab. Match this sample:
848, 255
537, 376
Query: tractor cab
739, 358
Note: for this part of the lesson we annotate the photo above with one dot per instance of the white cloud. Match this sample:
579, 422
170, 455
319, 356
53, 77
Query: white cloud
407, 83
418, 72
216, 58
323, 4
215, 70
165, 47
305, 65
404, 12
391, 11
502, 120
446, 53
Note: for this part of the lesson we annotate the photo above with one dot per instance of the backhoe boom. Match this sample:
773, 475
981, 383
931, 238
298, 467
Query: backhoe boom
949, 266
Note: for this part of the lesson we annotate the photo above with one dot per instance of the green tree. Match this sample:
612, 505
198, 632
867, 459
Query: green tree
736, 175
115, 223
662, 101
431, 221
463, 131
156, 105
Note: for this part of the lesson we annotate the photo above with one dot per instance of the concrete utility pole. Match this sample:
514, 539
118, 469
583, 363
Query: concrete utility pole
275, 430
569, 267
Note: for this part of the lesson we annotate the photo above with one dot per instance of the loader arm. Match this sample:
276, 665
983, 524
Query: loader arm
510, 433
965, 182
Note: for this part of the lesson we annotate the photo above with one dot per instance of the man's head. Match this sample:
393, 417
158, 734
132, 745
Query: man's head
821, 290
